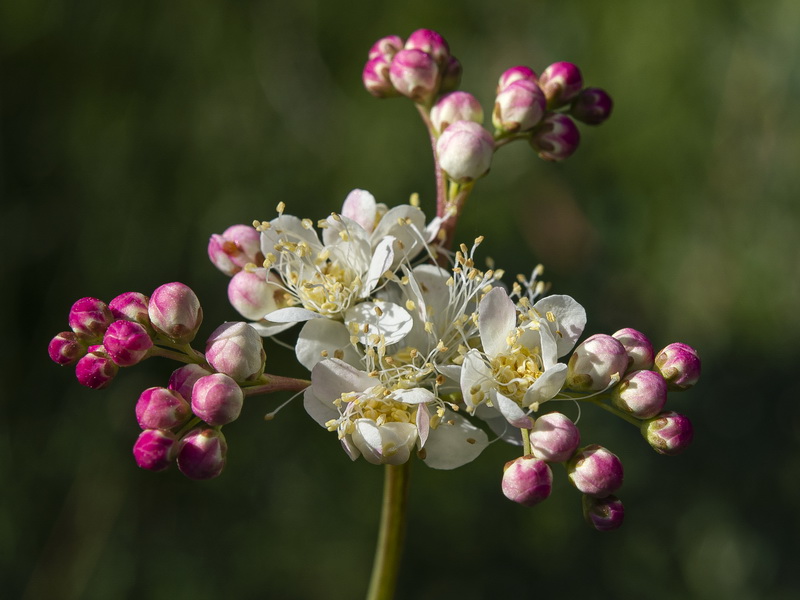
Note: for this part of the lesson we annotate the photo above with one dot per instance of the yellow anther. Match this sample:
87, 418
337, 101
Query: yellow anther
280, 208
410, 305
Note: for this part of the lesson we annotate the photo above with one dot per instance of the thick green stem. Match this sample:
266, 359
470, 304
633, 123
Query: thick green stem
390, 538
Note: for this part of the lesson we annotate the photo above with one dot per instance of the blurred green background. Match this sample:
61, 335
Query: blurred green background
132, 131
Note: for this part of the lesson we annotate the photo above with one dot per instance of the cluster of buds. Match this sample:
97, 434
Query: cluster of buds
181, 422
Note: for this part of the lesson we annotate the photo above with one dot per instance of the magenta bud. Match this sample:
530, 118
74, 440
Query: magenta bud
183, 379
376, 78
451, 75
556, 138
595, 362
127, 343
455, 106
554, 437
679, 365
465, 151
669, 433
217, 399
154, 450
641, 394
595, 471
519, 107
89, 318
386, 47
201, 453
96, 370
236, 349
175, 311
604, 514
252, 295
161, 408
236, 247
527, 480
638, 347
431, 43
65, 348
414, 74
561, 82
520, 73
592, 106
131, 306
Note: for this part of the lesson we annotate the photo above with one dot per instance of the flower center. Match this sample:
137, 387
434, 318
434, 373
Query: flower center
516, 370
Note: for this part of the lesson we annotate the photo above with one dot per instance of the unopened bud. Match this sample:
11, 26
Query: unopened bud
376, 78
430, 42
217, 399
237, 246
89, 318
669, 433
527, 480
554, 437
414, 74
456, 106
560, 82
183, 379
96, 370
236, 349
520, 73
155, 449
161, 408
641, 394
252, 295
65, 348
638, 348
131, 306
595, 362
451, 75
604, 514
386, 47
127, 343
465, 151
175, 311
592, 106
679, 364
595, 471
556, 138
519, 107
202, 453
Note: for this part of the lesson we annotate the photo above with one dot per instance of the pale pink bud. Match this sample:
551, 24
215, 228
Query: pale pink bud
96, 370
465, 151
161, 408
594, 362
431, 43
236, 247
669, 433
175, 311
252, 295
556, 138
236, 349
451, 75
183, 379
641, 394
202, 453
595, 471
414, 74
65, 348
519, 107
561, 82
604, 514
386, 47
131, 306
679, 365
376, 78
154, 450
520, 73
455, 106
217, 399
527, 480
592, 106
89, 318
554, 437
638, 347
127, 343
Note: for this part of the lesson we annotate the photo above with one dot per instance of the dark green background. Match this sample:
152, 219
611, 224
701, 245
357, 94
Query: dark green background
131, 131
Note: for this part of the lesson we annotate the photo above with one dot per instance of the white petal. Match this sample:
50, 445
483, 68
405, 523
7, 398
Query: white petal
360, 207
423, 424
406, 224
381, 262
292, 314
331, 378
414, 396
454, 442
325, 338
390, 443
350, 447
287, 228
570, 320
476, 379
320, 411
547, 385
513, 412
452, 372
390, 320
267, 328
497, 317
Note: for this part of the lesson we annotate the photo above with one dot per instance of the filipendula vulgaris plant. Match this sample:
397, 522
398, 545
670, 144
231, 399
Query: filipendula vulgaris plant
413, 351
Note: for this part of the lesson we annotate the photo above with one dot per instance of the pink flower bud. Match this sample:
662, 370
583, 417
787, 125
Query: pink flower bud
386, 47
556, 138
451, 75
217, 399
641, 394
669, 433
252, 295
513, 74
595, 471
201, 453
154, 449
560, 82
127, 343
455, 106
236, 350
238, 246
431, 43
679, 365
592, 106
89, 318
175, 311
465, 151
554, 437
161, 408
65, 348
519, 107
638, 347
527, 480
376, 78
604, 514
415, 75
594, 362
96, 370
183, 379
131, 306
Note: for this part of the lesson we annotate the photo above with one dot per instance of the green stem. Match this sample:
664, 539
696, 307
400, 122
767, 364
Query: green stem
390, 538
614, 411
